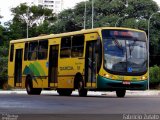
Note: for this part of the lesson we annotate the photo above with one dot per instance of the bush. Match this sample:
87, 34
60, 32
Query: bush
154, 76
3, 65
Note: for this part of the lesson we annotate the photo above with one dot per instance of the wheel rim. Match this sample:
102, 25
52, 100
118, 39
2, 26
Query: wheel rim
80, 86
28, 87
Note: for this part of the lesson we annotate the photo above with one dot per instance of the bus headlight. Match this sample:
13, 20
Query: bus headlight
108, 76
144, 77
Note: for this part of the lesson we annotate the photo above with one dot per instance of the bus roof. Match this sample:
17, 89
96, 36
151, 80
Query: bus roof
83, 31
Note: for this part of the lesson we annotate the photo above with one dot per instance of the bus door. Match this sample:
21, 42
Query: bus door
90, 64
53, 65
18, 68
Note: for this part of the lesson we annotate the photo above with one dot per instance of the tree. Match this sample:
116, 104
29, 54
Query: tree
106, 13
34, 16
17, 29
65, 22
3, 55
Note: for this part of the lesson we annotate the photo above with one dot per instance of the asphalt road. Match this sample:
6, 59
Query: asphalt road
60, 106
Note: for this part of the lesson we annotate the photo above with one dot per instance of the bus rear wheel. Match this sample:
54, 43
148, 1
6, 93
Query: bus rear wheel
81, 90
29, 88
120, 93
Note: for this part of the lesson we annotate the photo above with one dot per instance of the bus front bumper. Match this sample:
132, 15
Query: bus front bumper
112, 85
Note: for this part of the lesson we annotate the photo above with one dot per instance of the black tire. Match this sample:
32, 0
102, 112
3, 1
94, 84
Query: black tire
79, 84
64, 92
81, 90
120, 93
29, 87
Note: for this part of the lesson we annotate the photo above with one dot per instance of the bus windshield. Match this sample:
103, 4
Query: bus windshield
125, 52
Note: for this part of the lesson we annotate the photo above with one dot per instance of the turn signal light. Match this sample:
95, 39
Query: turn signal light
143, 77
108, 76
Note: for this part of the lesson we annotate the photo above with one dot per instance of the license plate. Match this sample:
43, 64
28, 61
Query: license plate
126, 83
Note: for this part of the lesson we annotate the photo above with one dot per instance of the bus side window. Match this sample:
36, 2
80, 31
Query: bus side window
11, 53
77, 46
33, 49
26, 51
65, 47
42, 49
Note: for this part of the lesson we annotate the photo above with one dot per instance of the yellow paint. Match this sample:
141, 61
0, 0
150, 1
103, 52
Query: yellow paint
23, 81
45, 83
91, 85
11, 82
37, 83
65, 82
52, 84
94, 85
11, 65
18, 84
91, 36
56, 84
54, 41
88, 84
19, 46
73, 66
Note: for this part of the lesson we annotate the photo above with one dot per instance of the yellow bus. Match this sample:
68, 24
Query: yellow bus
99, 59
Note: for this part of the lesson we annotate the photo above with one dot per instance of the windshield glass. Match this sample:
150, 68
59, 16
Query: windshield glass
124, 54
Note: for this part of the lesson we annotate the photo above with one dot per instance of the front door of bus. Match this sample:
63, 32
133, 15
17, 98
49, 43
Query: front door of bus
90, 64
53, 65
18, 68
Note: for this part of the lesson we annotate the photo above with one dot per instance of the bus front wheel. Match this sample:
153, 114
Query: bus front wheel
120, 93
81, 90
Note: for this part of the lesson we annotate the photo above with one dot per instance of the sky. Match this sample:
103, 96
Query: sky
6, 5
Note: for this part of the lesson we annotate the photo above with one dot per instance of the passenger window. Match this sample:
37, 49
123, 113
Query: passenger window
65, 47
43, 49
11, 53
26, 51
77, 46
33, 49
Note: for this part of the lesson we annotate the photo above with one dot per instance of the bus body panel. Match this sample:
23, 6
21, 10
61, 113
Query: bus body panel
68, 67
11, 70
123, 77
66, 82
12, 67
91, 36
54, 41
39, 72
112, 85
